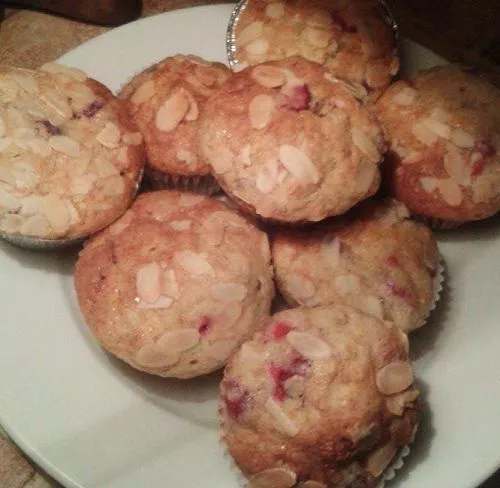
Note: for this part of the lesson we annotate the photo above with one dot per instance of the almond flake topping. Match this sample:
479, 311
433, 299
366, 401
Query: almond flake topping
275, 10
109, 136
462, 138
371, 305
161, 302
438, 127
365, 144
405, 97
298, 164
347, 284
65, 145
394, 377
251, 32
267, 177
268, 76
380, 459
172, 111
194, 263
260, 111
300, 288
273, 477
178, 341
257, 47
282, 421
148, 282
308, 345
152, 356
450, 191
317, 37
429, 184
423, 134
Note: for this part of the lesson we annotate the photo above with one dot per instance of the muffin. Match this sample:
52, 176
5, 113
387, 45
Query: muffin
165, 101
70, 158
377, 261
176, 284
444, 130
322, 397
291, 144
355, 41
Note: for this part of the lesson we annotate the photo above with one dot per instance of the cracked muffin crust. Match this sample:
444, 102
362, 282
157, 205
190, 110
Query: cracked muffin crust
70, 159
379, 261
320, 397
353, 40
290, 143
444, 131
165, 101
175, 285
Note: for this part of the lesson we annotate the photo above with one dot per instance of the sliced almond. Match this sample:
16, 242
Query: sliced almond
311, 484
151, 356
178, 341
81, 185
394, 377
319, 18
396, 403
244, 156
267, 177
371, 305
194, 263
268, 76
57, 104
355, 89
450, 191
298, 164
222, 162
228, 292
260, 111
330, 251
221, 350
113, 186
365, 144
429, 184
437, 127
40, 146
413, 157
317, 37
273, 478
37, 225
308, 345
132, 138
250, 33
365, 177
423, 134
299, 287
169, 286
380, 459
161, 302
172, 111
109, 136
144, 93
65, 145
456, 165
57, 213
282, 421
275, 10
229, 315
147, 282
187, 156
257, 47
27, 82
462, 138
405, 97
180, 225
347, 284
193, 111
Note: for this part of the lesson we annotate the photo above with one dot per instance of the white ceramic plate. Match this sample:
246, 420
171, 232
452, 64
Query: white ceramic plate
92, 422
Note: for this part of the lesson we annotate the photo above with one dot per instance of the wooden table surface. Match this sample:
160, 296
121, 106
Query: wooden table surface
28, 39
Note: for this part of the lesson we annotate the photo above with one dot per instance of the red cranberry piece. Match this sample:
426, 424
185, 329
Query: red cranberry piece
392, 260
205, 325
52, 129
298, 99
235, 398
92, 108
280, 330
280, 374
398, 290
485, 150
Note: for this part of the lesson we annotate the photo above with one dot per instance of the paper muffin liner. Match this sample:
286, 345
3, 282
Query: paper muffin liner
396, 464
158, 180
39, 243
437, 284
